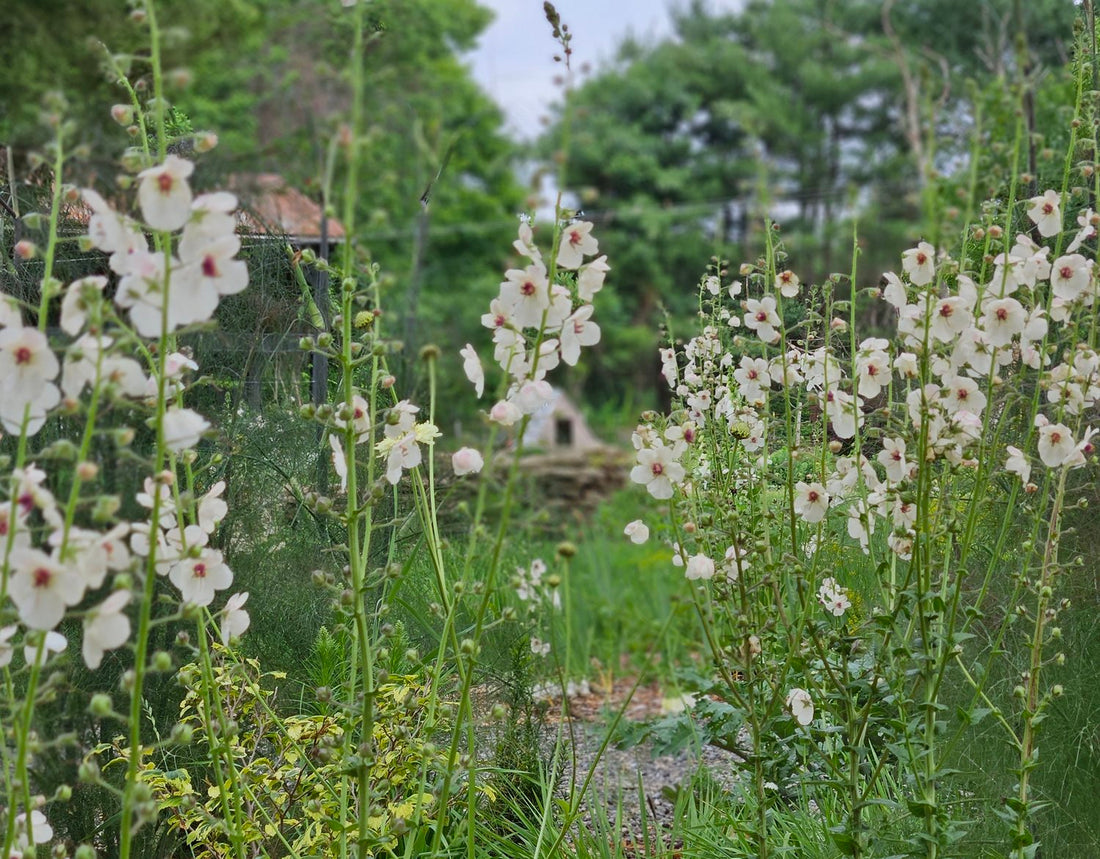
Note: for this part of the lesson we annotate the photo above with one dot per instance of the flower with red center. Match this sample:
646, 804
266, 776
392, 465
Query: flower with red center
41, 587
920, 264
200, 578
1046, 213
577, 242
164, 195
811, 501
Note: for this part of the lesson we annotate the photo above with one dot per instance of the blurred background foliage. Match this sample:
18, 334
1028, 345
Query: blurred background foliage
812, 112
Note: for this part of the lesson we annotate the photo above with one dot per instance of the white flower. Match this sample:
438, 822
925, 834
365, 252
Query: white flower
894, 292
753, 377
699, 567
105, 628
183, 428
1002, 319
199, 579
1017, 464
6, 650
164, 195
1070, 276
212, 508
471, 366
525, 293
39, 826
42, 588
576, 243
950, 317
339, 461
801, 705
762, 318
920, 264
51, 642
637, 531
787, 283
234, 619
811, 501
834, 597
892, 457
590, 278
658, 470
1046, 213
214, 264
505, 413
466, 460
1056, 444
27, 369
539, 647
78, 297
577, 331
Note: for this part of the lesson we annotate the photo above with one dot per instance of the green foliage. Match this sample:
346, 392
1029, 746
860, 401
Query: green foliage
289, 767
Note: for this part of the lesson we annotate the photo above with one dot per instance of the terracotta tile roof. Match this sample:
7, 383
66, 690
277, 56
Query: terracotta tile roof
270, 206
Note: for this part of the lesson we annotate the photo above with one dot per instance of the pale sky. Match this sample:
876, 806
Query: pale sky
514, 61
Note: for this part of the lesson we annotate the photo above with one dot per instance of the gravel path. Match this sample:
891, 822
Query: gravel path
631, 788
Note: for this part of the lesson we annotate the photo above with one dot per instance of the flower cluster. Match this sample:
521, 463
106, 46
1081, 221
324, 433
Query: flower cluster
958, 335
541, 318
50, 563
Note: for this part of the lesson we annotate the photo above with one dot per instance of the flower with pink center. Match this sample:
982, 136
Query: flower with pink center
920, 264
950, 317
1070, 276
1046, 213
834, 597
961, 393
1002, 320
787, 283
753, 377
577, 242
577, 331
892, 457
1056, 443
761, 317
164, 195
658, 470
215, 266
199, 579
42, 587
811, 501
525, 295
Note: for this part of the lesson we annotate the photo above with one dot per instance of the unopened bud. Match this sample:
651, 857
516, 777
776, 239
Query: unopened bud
25, 249
123, 114
87, 471
100, 706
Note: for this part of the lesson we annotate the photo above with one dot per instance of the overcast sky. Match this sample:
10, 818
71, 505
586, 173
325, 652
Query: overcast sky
514, 61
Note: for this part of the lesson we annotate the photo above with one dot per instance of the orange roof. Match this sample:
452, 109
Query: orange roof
271, 207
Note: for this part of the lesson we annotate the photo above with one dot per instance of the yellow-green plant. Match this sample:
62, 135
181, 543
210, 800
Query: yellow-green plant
287, 766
